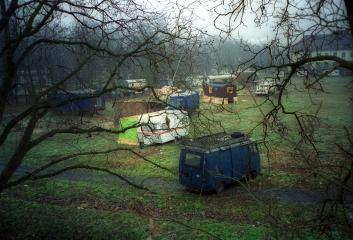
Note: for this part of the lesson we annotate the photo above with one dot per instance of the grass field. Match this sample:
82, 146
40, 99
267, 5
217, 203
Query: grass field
130, 134
89, 205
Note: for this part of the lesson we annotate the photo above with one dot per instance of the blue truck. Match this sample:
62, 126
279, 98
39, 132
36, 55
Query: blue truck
209, 163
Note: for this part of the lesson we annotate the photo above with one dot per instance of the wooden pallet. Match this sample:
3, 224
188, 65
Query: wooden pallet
218, 100
127, 142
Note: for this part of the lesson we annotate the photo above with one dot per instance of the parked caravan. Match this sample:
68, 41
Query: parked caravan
265, 86
76, 102
334, 73
162, 126
132, 84
130, 87
210, 162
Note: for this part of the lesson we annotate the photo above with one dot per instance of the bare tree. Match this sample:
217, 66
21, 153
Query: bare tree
302, 30
82, 41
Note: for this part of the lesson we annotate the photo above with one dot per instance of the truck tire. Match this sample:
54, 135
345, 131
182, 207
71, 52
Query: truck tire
253, 174
219, 187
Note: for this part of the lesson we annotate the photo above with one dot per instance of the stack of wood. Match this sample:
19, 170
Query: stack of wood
218, 100
164, 92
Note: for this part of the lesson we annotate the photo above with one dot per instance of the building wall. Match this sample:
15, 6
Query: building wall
327, 65
344, 54
339, 44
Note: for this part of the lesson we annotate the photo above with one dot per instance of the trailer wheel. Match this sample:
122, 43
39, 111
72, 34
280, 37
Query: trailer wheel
219, 187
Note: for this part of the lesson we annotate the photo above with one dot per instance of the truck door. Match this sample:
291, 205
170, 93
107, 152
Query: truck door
191, 169
240, 160
255, 164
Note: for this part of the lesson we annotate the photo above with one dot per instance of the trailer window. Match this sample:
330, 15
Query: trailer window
192, 159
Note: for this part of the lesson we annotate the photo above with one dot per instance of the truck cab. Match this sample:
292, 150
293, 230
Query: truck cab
211, 162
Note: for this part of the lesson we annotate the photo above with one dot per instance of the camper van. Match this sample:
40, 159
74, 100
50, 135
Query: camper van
210, 162
162, 126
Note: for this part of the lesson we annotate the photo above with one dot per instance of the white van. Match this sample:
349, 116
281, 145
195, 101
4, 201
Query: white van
162, 126
265, 86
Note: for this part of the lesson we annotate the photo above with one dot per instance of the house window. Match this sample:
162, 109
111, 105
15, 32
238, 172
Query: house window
343, 54
230, 90
335, 54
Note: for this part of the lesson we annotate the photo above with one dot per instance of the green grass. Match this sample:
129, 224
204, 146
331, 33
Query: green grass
31, 220
103, 209
73, 205
48, 221
130, 134
117, 211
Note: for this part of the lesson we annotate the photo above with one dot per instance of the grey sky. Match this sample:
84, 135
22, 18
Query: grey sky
203, 16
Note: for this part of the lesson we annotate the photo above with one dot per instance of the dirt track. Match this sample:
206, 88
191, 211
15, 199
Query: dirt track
283, 195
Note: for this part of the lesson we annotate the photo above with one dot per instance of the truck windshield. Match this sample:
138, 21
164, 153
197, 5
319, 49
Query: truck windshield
192, 159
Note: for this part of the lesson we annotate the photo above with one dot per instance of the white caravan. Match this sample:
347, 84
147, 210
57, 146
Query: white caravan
162, 126
265, 86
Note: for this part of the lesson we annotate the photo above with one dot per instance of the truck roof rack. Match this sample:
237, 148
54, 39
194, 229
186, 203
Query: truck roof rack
216, 141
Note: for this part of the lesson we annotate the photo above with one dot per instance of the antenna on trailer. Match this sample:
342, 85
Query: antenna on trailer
177, 69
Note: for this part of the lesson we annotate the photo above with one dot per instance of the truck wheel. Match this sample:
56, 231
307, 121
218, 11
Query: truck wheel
219, 187
253, 174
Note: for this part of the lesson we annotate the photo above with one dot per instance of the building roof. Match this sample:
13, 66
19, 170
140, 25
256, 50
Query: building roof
183, 93
341, 40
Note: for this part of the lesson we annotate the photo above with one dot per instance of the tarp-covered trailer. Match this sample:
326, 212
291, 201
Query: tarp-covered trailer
186, 100
76, 102
162, 126
209, 163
